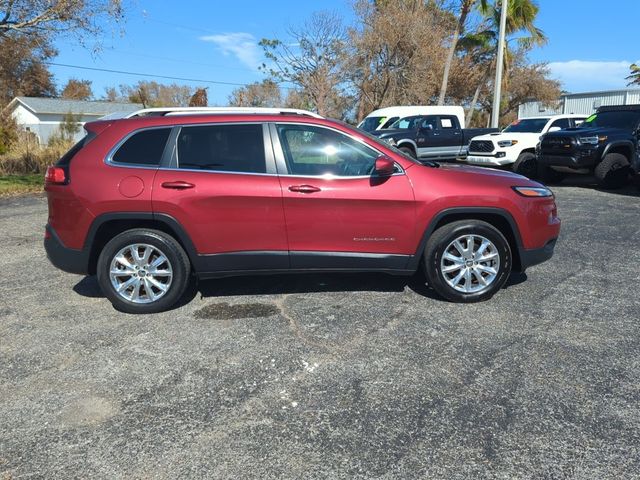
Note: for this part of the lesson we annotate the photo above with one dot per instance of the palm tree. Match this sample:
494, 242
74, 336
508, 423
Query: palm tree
634, 75
465, 9
483, 45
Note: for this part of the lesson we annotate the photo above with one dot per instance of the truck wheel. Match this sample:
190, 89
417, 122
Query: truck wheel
467, 261
408, 150
548, 175
143, 271
612, 171
526, 165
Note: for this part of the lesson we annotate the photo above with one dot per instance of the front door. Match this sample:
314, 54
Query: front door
338, 213
223, 190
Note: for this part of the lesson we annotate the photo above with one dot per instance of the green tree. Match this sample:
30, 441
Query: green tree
521, 35
465, 8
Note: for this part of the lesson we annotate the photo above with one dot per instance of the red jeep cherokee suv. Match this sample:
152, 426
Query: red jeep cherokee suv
146, 201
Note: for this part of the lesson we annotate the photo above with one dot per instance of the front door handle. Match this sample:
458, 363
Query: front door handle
178, 185
304, 188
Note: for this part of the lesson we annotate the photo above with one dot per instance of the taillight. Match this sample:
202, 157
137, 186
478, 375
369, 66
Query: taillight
55, 175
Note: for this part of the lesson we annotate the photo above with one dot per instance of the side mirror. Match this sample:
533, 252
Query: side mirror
384, 166
427, 128
554, 129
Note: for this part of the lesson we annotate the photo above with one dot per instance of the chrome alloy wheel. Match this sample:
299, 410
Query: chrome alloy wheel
140, 273
470, 263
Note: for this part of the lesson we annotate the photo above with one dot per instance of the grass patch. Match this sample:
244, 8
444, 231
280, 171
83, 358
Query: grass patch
16, 184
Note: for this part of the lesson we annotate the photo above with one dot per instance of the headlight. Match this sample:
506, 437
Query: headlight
390, 141
592, 140
507, 143
533, 191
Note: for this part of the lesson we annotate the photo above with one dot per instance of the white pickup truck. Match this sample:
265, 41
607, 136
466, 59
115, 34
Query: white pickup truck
516, 144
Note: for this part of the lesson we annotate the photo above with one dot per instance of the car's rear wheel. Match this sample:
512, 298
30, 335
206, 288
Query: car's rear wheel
526, 165
612, 171
467, 261
143, 271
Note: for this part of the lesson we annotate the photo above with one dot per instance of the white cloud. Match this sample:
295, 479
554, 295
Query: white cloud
240, 44
584, 75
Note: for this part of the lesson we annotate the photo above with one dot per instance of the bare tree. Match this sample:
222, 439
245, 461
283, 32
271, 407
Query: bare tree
397, 52
154, 94
48, 18
312, 59
263, 94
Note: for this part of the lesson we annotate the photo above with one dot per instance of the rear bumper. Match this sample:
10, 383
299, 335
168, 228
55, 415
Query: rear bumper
529, 258
64, 258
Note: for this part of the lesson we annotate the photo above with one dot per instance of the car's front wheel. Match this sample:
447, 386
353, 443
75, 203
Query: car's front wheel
143, 271
467, 261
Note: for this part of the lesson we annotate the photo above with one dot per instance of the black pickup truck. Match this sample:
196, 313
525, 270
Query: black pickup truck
431, 137
606, 144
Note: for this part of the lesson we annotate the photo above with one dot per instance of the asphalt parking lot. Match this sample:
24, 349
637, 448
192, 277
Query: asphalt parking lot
327, 376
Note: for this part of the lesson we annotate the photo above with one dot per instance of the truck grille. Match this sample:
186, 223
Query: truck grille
556, 143
484, 146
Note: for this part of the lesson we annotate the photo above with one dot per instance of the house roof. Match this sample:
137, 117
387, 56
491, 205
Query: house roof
62, 106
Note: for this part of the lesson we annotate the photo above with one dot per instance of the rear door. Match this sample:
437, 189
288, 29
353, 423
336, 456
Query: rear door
338, 214
222, 188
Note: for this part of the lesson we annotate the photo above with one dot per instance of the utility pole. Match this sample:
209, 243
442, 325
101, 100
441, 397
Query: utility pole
495, 113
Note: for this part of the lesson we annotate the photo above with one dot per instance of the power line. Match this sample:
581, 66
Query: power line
149, 75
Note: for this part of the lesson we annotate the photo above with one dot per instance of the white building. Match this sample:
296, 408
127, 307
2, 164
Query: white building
43, 116
582, 103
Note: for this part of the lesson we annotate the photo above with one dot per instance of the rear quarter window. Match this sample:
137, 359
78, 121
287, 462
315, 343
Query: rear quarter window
143, 148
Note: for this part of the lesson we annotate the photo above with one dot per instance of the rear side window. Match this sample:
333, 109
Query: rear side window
223, 148
143, 148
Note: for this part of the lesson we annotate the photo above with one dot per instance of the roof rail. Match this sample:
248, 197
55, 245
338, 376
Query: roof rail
166, 111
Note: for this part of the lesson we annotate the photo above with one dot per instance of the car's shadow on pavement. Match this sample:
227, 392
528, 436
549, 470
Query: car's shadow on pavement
297, 283
631, 189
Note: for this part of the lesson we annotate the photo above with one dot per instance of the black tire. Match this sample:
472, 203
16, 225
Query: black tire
168, 246
613, 171
443, 237
409, 151
526, 165
548, 175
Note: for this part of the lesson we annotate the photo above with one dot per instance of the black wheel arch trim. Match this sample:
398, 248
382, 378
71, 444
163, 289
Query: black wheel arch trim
162, 218
620, 143
414, 263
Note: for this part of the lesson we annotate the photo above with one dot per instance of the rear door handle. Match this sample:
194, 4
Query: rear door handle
178, 185
304, 188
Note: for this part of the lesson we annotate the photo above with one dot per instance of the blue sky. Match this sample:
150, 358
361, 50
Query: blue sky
591, 43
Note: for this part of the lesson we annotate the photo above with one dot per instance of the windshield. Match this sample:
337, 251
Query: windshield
626, 120
370, 124
527, 125
406, 123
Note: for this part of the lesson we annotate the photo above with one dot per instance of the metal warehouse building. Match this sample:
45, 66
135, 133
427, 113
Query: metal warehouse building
585, 103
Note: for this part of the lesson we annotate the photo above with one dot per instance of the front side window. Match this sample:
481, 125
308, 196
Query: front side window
429, 123
143, 148
316, 151
223, 148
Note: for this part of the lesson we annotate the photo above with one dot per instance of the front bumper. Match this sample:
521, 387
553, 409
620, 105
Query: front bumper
487, 159
64, 258
575, 159
529, 258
